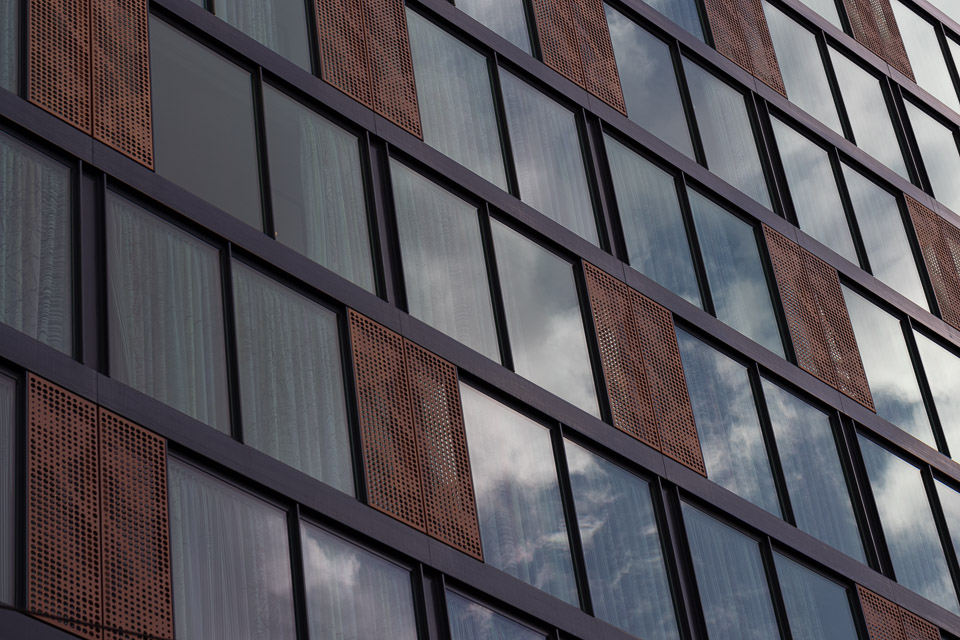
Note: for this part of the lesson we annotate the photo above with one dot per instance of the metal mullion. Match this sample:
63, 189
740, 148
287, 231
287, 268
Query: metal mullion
877, 538
834, 83
298, 572
904, 131
849, 213
496, 292
390, 231
693, 619
21, 480
500, 107
260, 124
854, 491
770, 442
906, 325
696, 253
943, 530
759, 115
230, 338
669, 546
87, 276
788, 211
592, 142
773, 584
926, 280
593, 343
618, 243
940, 30
313, 35
676, 56
352, 407
570, 515
432, 608
376, 155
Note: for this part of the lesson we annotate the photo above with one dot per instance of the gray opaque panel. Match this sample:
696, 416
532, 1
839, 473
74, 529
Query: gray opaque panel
165, 311
908, 525
507, 18
8, 489
652, 221
926, 57
727, 422
817, 608
36, 255
472, 621
813, 471
621, 547
455, 94
651, 89
941, 159
519, 508
544, 319
203, 123
9, 44
682, 12
942, 369
230, 561
950, 503
317, 191
291, 378
352, 593
725, 130
888, 366
280, 25
548, 157
735, 273
730, 577
827, 9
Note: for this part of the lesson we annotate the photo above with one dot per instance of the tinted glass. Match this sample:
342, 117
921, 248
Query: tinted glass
544, 320
827, 9
683, 12
950, 502
8, 492
278, 24
817, 608
938, 149
316, 183
942, 369
507, 18
203, 123
948, 7
926, 56
444, 272
472, 621
9, 44
727, 422
521, 517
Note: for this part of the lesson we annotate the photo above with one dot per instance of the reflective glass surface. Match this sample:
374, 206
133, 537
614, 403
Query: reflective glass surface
280, 25
827, 10
472, 621
8, 489
508, 18
926, 56
9, 44
683, 12
950, 503
942, 369
949, 7
817, 608
938, 149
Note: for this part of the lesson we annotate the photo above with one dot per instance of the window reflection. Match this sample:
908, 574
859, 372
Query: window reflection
942, 369
8, 489
938, 150
682, 12
817, 608
923, 48
950, 503
507, 18
280, 25
9, 44
827, 10
472, 621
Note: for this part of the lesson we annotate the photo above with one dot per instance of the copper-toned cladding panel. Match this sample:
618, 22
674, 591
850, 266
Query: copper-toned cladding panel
450, 505
387, 435
559, 38
135, 538
740, 32
343, 47
596, 53
881, 615
59, 64
121, 77
393, 90
874, 26
916, 628
63, 510
940, 244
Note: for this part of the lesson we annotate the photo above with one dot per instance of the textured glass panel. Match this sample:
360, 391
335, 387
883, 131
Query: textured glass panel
926, 56
544, 320
726, 133
889, 369
949, 7
813, 472
950, 502
817, 608
827, 10
231, 561
649, 81
8, 489
353, 594
444, 272
35, 245
735, 272
938, 149
652, 221
726, 415
521, 517
683, 12
472, 621
548, 157
942, 368
621, 546
9, 44
908, 525
730, 578
166, 313
203, 123
291, 380
508, 18
280, 25
316, 180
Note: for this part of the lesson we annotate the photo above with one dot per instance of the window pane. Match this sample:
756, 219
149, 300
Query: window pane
827, 10
817, 608
730, 577
521, 517
908, 525
683, 12
621, 546
813, 472
203, 123
548, 157
230, 561
8, 490
942, 368
735, 272
950, 502
353, 594
166, 313
948, 7
9, 44
472, 621
280, 25
35, 245
727, 423
938, 149
316, 179
652, 221
291, 381
726, 133
926, 56
649, 81
444, 272
507, 18
544, 319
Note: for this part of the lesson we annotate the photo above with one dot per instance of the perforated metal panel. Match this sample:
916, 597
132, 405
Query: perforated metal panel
881, 615
940, 244
916, 628
343, 49
559, 39
393, 91
596, 53
874, 26
740, 32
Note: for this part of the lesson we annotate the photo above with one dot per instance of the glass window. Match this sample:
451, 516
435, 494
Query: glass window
725, 130
203, 123
548, 157
291, 380
316, 179
444, 271
908, 525
730, 577
649, 80
9, 44
522, 524
812, 471
230, 561
652, 221
472, 621
948, 7
938, 150
817, 608
352, 593
950, 503
734, 268
280, 25
942, 369
506, 18
8, 491
727, 422
926, 56
165, 313
544, 319
35, 245
683, 12
621, 546
827, 10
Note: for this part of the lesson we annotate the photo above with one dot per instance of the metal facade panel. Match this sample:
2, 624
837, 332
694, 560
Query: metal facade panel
940, 244
881, 615
343, 47
393, 90
874, 26
596, 53
916, 628
559, 38
740, 32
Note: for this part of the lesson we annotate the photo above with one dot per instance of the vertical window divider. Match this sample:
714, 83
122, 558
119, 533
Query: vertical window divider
842, 113
904, 131
770, 443
671, 546
88, 259
352, 408
591, 144
759, 115
848, 211
853, 485
593, 343
693, 617
263, 157
390, 232
943, 532
99, 246
941, 32
773, 583
532, 30
695, 252
496, 293
906, 326
23, 36
776, 300
788, 211
618, 245
877, 540
493, 63
21, 517
297, 572
918, 258
313, 36
377, 158
442, 612
676, 56
432, 609
230, 338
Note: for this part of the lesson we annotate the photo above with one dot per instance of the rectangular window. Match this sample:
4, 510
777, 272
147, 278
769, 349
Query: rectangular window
8, 488
817, 608
827, 9
280, 25
926, 57
950, 503
472, 621
942, 369
9, 44
506, 18
938, 151
682, 12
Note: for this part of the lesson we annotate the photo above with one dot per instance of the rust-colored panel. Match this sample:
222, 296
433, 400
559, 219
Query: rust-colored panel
121, 77
596, 53
559, 37
881, 615
59, 63
740, 32
916, 628
875, 27
450, 505
940, 244
63, 510
137, 591
386, 422
393, 91
343, 49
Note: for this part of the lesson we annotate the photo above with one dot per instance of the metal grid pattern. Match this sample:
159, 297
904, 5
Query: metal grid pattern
874, 26
392, 87
596, 53
740, 32
881, 615
343, 53
940, 244
916, 628
559, 41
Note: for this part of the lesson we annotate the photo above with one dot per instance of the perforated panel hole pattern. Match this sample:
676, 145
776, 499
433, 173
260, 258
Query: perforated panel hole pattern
559, 40
392, 86
881, 615
343, 54
874, 26
940, 244
740, 32
916, 628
